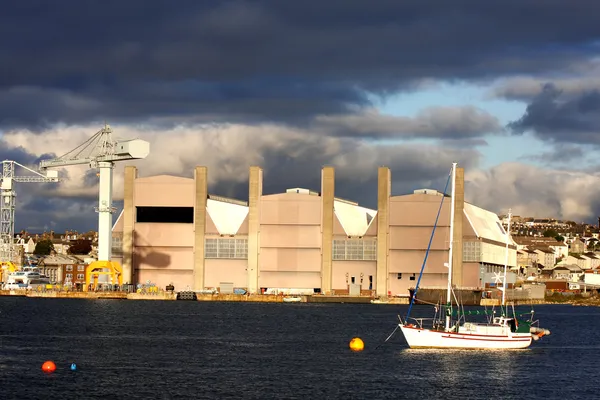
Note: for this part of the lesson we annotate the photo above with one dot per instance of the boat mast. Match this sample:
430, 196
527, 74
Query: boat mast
506, 260
449, 289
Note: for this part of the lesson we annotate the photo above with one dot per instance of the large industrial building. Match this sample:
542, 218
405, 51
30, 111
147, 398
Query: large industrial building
172, 231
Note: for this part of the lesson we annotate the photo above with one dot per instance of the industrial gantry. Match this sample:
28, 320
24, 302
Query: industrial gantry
101, 152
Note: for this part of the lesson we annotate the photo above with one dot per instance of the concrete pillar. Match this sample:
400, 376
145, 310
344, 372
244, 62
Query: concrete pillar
457, 250
129, 223
384, 188
327, 213
201, 197
255, 187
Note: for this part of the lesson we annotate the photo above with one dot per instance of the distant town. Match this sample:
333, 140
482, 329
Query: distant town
565, 255
529, 226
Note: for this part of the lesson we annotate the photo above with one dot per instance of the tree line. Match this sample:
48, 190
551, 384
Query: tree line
45, 247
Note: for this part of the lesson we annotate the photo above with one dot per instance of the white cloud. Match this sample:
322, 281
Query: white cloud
229, 149
533, 191
293, 157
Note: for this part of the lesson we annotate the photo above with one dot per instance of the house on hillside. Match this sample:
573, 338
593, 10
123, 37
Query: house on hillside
592, 260
560, 249
523, 259
564, 271
546, 256
63, 269
28, 244
528, 258
577, 246
576, 260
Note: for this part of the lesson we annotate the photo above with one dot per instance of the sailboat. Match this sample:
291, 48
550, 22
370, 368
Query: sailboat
449, 328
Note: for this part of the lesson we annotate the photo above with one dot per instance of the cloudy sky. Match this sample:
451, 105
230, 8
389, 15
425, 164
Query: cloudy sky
509, 89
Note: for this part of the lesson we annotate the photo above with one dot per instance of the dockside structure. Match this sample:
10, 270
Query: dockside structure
173, 231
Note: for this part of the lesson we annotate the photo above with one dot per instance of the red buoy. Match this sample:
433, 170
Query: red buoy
48, 366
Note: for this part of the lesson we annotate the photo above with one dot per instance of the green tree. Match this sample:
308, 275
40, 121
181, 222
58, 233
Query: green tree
550, 233
559, 238
80, 247
43, 247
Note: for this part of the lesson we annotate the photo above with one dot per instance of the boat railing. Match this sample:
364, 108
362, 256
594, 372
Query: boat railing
419, 321
535, 323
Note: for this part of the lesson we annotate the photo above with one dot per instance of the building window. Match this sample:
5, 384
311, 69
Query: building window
231, 248
413, 277
69, 268
226, 248
471, 251
370, 249
399, 275
211, 248
355, 249
80, 277
80, 268
173, 215
69, 276
241, 248
339, 249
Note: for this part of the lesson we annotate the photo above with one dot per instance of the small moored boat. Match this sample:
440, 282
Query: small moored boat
292, 299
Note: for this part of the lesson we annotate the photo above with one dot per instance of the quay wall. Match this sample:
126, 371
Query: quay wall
432, 296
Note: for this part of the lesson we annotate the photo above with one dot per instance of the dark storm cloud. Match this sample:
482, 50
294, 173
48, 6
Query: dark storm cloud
38, 204
191, 101
573, 119
36, 213
563, 154
91, 178
264, 60
22, 156
454, 123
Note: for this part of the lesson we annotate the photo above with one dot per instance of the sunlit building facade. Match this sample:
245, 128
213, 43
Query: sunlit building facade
172, 231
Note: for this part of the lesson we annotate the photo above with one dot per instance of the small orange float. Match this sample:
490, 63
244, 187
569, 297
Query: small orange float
356, 344
49, 367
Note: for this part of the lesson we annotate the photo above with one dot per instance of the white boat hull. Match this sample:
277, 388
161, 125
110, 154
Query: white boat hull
427, 338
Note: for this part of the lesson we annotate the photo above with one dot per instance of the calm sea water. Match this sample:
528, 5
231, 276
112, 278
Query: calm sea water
171, 350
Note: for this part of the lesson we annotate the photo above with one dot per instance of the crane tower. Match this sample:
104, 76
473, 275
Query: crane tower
8, 205
101, 152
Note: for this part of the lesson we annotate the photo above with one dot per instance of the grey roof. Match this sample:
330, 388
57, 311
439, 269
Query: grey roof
570, 267
60, 259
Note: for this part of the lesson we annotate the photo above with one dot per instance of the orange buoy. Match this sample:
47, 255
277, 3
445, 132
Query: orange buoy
48, 366
356, 344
